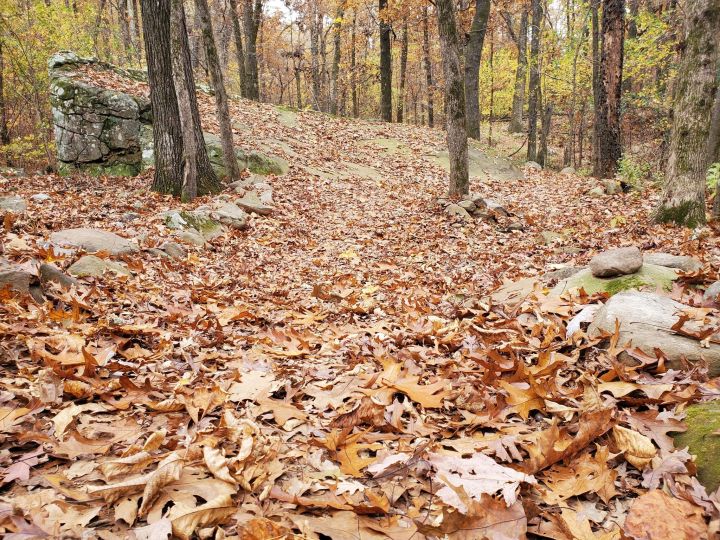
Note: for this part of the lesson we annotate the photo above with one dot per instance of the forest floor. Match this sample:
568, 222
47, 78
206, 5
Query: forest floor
333, 370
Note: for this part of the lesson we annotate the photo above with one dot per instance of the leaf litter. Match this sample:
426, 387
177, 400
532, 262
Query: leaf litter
339, 369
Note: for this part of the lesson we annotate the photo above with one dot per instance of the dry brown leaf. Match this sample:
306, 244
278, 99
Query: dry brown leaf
169, 470
637, 448
658, 515
217, 463
211, 513
126, 465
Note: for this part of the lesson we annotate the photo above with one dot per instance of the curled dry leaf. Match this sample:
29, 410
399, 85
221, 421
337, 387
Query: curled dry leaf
206, 515
126, 465
217, 463
169, 470
637, 448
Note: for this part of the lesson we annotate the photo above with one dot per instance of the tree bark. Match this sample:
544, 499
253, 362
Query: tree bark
240, 54
403, 74
713, 147
167, 132
198, 178
454, 98
594, 9
4, 134
534, 90
218, 83
516, 119
611, 68
353, 68
385, 63
428, 69
473, 54
315, 22
125, 29
544, 134
251, 22
337, 54
683, 199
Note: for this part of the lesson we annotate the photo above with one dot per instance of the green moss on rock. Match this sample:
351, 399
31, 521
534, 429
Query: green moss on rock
701, 437
689, 213
649, 276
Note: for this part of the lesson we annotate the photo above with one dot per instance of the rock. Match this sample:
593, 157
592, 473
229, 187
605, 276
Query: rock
232, 215
568, 171
611, 187
15, 277
256, 162
239, 186
550, 237
712, 292
96, 129
514, 226
12, 171
496, 208
561, 273
533, 166
40, 197
596, 192
12, 204
92, 266
514, 293
198, 220
477, 200
646, 321
129, 216
174, 250
93, 240
49, 273
468, 205
174, 220
681, 262
456, 210
252, 203
616, 262
702, 440
266, 197
191, 237
649, 276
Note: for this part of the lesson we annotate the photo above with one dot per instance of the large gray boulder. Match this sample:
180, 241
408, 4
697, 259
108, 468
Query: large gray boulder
251, 202
96, 130
92, 266
49, 273
680, 262
14, 277
649, 276
616, 262
93, 240
12, 204
646, 320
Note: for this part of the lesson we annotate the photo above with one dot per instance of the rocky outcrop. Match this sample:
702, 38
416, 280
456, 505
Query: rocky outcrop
93, 240
703, 442
96, 129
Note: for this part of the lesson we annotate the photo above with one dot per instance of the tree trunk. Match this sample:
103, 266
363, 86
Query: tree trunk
353, 68
403, 74
167, 132
428, 69
594, 9
683, 199
632, 34
315, 54
4, 134
337, 25
218, 83
199, 178
251, 23
473, 54
611, 68
136, 24
385, 64
240, 54
516, 120
125, 29
454, 98
713, 148
534, 90
544, 134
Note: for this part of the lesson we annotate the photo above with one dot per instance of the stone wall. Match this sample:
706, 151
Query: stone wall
96, 129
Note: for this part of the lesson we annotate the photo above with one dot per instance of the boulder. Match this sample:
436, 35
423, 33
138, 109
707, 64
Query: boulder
712, 292
468, 205
567, 171
191, 237
93, 240
12, 204
703, 441
649, 276
49, 273
612, 187
616, 262
251, 202
231, 215
596, 192
457, 210
40, 197
680, 262
174, 250
550, 237
646, 320
255, 161
14, 277
533, 166
496, 208
92, 266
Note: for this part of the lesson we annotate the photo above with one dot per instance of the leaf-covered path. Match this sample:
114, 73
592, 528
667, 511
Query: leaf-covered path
337, 369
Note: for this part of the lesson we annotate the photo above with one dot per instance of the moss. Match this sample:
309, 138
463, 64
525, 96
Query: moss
688, 213
204, 225
96, 169
261, 164
650, 276
703, 421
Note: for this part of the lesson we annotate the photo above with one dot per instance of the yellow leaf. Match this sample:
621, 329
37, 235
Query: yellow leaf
522, 400
638, 449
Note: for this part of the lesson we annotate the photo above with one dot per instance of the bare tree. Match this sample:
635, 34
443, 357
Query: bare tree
534, 99
385, 63
473, 54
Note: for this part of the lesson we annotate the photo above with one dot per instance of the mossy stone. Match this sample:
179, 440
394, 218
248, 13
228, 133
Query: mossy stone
703, 439
207, 227
649, 276
97, 169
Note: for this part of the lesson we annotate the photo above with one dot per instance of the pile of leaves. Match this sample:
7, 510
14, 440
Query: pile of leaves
339, 370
